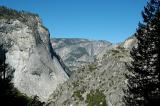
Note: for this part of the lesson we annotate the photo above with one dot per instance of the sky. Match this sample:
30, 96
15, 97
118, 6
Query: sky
111, 20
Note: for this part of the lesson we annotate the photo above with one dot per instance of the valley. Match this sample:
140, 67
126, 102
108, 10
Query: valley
63, 71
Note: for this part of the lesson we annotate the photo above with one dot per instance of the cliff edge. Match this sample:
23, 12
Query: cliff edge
38, 71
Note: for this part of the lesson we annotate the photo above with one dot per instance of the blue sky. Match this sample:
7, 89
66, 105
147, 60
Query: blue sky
111, 20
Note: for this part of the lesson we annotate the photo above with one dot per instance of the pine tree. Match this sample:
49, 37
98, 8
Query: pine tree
144, 80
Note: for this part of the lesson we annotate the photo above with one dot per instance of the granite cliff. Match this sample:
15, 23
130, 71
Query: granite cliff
38, 69
98, 67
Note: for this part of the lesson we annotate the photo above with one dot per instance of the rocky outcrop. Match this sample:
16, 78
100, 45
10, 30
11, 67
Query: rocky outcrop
38, 71
77, 52
105, 76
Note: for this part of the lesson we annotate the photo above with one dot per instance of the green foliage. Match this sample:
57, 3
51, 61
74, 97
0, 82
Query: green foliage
144, 82
120, 52
7, 13
78, 94
117, 53
92, 67
96, 98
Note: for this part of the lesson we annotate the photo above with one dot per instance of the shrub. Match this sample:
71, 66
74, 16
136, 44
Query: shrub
96, 98
78, 94
92, 67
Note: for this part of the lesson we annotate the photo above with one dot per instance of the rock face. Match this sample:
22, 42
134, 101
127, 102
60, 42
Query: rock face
38, 71
103, 78
130, 42
78, 52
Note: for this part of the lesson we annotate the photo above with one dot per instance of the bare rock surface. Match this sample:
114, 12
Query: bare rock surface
38, 71
102, 78
77, 52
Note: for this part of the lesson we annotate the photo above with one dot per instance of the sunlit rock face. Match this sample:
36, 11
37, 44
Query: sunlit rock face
38, 71
77, 52
106, 74
130, 43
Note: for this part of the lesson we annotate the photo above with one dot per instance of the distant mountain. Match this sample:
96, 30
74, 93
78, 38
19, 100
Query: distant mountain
97, 82
98, 67
77, 52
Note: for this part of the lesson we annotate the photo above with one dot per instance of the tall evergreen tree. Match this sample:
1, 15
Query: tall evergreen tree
144, 80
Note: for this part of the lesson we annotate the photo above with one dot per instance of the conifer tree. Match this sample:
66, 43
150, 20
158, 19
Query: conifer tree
144, 80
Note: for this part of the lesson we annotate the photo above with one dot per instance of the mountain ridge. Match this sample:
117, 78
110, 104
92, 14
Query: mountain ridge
76, 51
42, 66
105, 76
